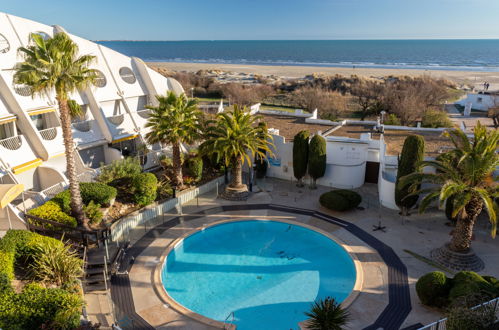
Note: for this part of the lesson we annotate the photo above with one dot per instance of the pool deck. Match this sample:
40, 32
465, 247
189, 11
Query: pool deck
388, 297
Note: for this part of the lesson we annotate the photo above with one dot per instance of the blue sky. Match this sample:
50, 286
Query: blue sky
264, 19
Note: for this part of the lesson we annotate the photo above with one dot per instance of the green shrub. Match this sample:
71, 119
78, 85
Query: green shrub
461, 318
196, 168
52, 211
436, 118
391, 119
98, 192
412, 154
93, 212
63, 199
119, 169
300, 155
144, 188
7, 264
5, 283
433, 288
56, 264
317, 158
467, 283
340, 200
37, 307
164, 189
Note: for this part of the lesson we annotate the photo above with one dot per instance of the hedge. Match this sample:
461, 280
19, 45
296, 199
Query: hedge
52, 211
412, 154
434, 289
340, 200
300, 154
196, 168
35, 306
317, 157
98, 192
144, 186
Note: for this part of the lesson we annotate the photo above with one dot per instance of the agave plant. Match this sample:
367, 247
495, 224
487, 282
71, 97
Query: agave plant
327, 314
56, 263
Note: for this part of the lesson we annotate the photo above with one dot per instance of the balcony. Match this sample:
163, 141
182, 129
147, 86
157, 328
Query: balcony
48, 134
121, 126
15, 151
85, 132
141, 117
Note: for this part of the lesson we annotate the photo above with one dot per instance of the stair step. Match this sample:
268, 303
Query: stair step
95, 287
97, 278
94, 270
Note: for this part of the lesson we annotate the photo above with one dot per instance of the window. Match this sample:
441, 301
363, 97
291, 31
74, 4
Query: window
4, 44
127, 75
39, 122
7, 130
100, 81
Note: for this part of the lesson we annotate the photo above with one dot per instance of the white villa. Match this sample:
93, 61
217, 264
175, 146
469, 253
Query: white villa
31, 144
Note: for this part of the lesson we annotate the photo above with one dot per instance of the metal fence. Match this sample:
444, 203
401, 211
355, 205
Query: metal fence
442, 323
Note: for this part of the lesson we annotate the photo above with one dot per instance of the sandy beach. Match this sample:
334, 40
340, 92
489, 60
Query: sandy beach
460, 77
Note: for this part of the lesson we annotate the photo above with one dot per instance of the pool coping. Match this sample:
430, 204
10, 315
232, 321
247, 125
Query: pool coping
166, 298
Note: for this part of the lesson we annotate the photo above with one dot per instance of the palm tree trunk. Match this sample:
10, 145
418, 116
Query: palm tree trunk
237, 173
177, 166
463, 232
74, 186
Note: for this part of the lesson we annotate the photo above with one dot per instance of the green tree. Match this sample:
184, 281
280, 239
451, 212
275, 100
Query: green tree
466, 177
233, 137
317, 159
327, 314
300, 155
54, 64
410, 158
176, 120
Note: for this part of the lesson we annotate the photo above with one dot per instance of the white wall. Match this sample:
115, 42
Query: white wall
480, 101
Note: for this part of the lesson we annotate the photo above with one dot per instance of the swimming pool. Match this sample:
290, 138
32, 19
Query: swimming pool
266, 273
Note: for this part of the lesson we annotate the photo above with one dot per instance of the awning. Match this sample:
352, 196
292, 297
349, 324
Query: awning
40, 111
4, 119
9, 192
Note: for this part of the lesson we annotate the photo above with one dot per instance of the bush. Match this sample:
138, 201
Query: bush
412, 154
436, 118
300, 155
37, 307
56, 263
340, 200
464, 318
433, 288
53, 212
317, 158
467, 283
196, 168
164, 189
327, 314
144, 188
119, 169
93, 212
63, 199
392, 119
98, 192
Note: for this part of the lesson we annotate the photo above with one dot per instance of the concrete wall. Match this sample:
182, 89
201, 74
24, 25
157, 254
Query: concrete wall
480, 101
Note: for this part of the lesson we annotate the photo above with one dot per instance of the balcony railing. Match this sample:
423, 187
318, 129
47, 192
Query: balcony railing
144, 113
49, 133
82, 126
116, 120
12, 143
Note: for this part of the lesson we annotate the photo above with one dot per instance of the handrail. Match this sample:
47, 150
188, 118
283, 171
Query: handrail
116, 120
227, 318
48, 133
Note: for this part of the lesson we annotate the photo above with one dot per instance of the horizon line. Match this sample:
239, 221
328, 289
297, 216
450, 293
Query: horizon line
377, 39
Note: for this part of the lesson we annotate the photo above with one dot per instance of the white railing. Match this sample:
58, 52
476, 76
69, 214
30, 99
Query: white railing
116, 120
51, 191
12, 143
151, 215
49, 133
442, 323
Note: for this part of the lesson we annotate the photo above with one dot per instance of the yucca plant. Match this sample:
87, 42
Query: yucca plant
327, 314
56, 263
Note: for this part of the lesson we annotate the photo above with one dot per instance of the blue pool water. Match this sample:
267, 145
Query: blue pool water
266, 272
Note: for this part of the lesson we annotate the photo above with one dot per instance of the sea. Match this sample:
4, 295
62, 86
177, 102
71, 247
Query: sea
461, 55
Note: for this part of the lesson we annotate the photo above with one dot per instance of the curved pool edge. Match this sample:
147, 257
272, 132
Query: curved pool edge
167, 299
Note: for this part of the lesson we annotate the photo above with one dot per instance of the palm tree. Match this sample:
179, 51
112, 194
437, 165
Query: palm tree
464, 176
54, 63
234, 136
174, 121
327, 314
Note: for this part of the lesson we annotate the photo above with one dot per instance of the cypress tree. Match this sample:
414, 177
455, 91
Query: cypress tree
412, 154
300, 156
317, 159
